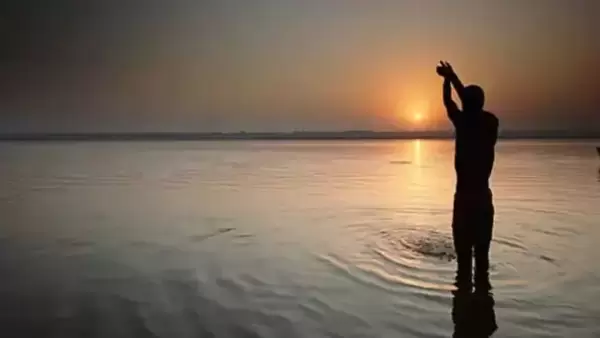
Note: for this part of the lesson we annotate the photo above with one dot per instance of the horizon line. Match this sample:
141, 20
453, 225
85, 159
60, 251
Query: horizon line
292, 135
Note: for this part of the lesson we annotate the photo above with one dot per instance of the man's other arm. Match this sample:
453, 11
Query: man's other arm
451, 107
458, 86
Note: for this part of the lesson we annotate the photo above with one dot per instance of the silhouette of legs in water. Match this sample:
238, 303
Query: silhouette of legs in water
472, 225
473, 314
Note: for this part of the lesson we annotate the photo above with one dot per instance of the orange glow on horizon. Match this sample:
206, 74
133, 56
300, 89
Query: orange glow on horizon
415, 113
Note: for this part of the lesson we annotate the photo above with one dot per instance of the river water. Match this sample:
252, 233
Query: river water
288, 239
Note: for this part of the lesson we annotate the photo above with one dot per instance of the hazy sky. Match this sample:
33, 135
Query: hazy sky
222, 65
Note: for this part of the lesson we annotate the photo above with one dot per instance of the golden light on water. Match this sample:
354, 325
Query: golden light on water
421, 175
417, 153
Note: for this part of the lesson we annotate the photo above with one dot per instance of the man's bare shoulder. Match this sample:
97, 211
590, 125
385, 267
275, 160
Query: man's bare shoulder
491, 118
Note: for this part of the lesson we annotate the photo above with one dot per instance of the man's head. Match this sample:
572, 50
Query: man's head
474, 98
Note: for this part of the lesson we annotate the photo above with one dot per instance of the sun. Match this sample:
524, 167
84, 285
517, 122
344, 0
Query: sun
417, 115
413, 113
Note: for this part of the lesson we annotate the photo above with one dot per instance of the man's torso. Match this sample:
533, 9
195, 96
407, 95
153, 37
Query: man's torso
476, 135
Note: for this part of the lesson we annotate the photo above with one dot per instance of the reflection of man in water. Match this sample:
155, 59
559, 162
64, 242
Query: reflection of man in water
472, 220
473, 315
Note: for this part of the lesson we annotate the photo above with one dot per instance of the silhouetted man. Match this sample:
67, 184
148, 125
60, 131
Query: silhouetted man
476, 132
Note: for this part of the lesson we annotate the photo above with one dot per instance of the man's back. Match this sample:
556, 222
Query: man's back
476, 135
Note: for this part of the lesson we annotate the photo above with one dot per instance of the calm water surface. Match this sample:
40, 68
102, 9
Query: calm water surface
287, 239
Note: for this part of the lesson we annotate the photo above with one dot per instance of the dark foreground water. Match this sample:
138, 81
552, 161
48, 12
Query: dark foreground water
287, 239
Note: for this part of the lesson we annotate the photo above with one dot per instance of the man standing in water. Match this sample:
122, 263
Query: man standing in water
476, 132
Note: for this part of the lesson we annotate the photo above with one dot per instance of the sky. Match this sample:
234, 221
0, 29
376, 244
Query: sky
282, 65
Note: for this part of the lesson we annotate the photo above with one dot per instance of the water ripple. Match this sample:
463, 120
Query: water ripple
395, 257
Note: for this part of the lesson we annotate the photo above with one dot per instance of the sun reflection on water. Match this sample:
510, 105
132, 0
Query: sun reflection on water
417, 152
422, 188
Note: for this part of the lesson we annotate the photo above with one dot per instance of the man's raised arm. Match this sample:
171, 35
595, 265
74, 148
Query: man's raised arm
445, 70
450, 105
458, 86
453, 77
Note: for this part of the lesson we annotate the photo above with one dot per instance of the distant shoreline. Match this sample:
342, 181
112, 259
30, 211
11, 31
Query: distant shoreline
345, 135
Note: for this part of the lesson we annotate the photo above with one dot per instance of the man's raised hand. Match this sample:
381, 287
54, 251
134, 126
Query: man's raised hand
444, 69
